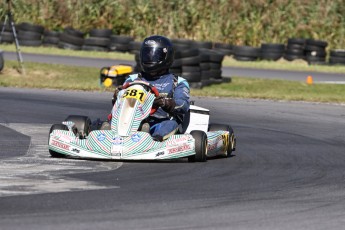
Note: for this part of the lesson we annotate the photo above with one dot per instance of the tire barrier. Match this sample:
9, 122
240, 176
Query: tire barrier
29, 34
337, 57
198, 61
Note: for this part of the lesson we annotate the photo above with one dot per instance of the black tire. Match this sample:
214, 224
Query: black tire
28, 35
200, 138
34, 43
82, 123
31, 27
134, 46
66, 45
215, 66
318, 43
337, 60
300, 41
247, 51
71, 39
74, 32
94, 48
51, 40
190, 61
120, 39
96, 41
100, 33
244, 58
271, 56
224, 52
56, 127
337, 53
192, 76
291, 57
203, 44
272, 47
119, 47
189, 53
316, 53
231, 138
204, 66
186, 68
51, 33
7, 37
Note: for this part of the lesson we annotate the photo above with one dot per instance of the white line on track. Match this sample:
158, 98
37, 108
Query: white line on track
36, 172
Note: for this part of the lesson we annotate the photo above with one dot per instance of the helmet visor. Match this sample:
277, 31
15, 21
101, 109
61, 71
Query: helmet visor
153, 54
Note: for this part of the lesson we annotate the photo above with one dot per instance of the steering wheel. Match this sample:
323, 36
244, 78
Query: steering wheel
147, 86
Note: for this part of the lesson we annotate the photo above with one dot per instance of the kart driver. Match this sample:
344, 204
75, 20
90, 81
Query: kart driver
156, 57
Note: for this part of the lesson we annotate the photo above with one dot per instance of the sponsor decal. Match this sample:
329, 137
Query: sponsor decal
160, 154
60, 145
117, 141
177, 141
179, 149
75, 150
137, 94
101, 137
65, 138
135, 137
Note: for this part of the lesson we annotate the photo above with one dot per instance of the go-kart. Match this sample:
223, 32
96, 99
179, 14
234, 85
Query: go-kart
124, 139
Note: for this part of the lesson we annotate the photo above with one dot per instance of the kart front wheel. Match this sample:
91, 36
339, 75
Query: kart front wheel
231, 139
56, 127
200, 138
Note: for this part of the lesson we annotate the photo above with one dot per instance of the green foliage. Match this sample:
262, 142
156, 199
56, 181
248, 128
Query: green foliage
248, 22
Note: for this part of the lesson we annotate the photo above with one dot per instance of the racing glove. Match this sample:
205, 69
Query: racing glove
167, 104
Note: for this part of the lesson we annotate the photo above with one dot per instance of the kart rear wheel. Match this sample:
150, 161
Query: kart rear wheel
200, 138
82, 123
231, 138
56, 127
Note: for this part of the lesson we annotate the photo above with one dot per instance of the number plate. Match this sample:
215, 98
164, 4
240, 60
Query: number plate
137, 94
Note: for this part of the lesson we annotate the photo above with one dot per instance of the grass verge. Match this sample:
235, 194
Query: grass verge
55, 76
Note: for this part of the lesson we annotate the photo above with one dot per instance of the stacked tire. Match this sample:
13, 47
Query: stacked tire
120, 43
134, 47
51, 38
315, 51
98, 40
176, 67
246, 53
225, 49
182, 44
210, 67
190, 60
30, 34
71, 39
7, 35
295, 49
272, 51
337, 57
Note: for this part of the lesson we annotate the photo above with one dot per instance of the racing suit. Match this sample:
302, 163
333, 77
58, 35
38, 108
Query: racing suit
163, 124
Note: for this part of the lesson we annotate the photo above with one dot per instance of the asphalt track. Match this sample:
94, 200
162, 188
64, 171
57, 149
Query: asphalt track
226, 71
287, 173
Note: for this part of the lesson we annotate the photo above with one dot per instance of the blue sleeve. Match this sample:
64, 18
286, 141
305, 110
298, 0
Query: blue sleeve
182, 96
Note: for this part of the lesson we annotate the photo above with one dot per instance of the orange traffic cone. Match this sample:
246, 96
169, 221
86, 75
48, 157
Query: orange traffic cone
309, 80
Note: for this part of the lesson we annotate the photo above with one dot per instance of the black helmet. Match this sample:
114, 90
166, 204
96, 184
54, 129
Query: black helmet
156, 54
